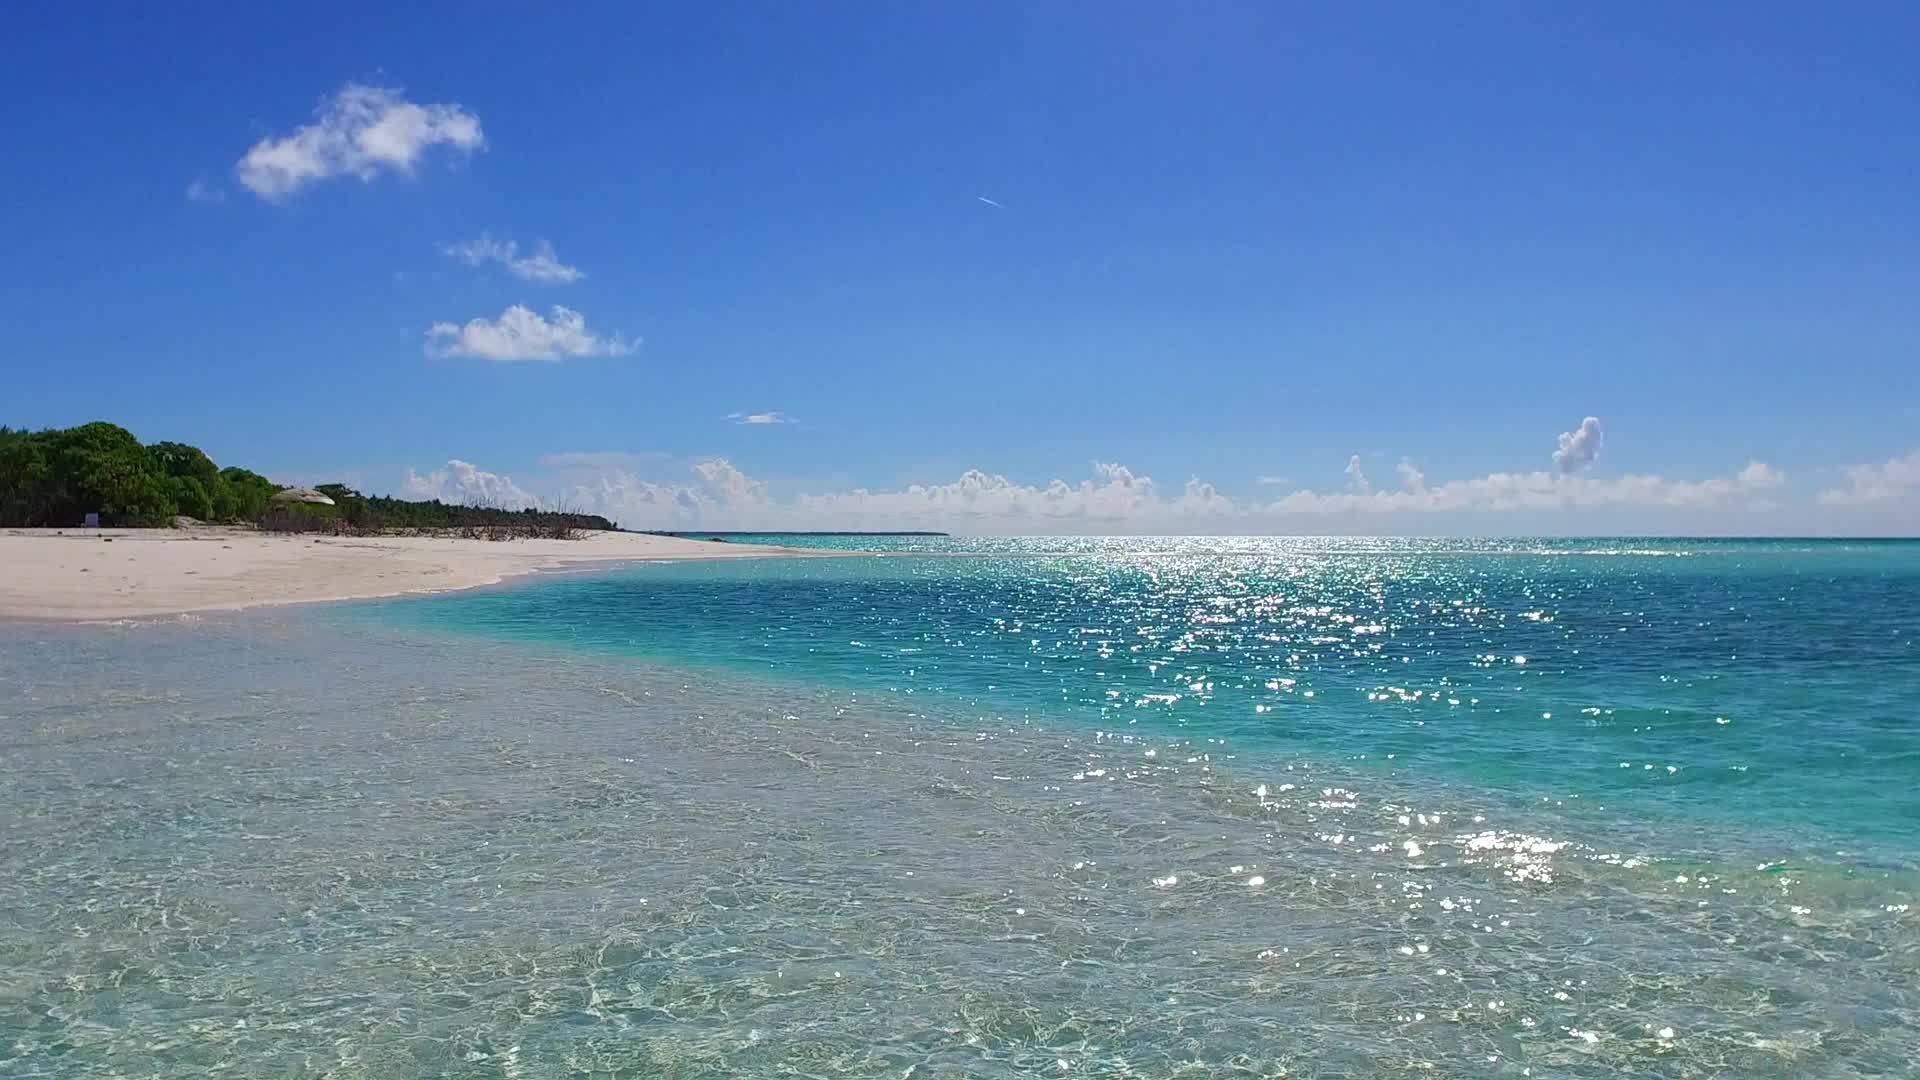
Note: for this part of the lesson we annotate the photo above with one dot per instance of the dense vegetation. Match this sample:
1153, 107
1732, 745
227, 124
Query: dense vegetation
381, 512
54, 478
58, 476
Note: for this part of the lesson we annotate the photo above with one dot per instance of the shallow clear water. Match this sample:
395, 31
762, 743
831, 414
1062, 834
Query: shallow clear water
655, 823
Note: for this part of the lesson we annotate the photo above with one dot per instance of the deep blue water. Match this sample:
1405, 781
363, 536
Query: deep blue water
1766, 684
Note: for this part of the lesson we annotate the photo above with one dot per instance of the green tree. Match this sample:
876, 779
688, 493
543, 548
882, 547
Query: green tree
101, 466
193, 480
26, 480
246, 493
57, 476
179, 459
354, 507
192, 498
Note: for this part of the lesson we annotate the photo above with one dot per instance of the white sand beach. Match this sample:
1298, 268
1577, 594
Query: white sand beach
121, 573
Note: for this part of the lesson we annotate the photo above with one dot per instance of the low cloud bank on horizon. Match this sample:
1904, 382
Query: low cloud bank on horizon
717, 494
1893, 480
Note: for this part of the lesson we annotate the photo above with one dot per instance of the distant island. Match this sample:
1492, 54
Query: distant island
60, 477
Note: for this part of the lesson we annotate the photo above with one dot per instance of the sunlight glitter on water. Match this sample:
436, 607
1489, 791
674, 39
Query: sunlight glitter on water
1541, 670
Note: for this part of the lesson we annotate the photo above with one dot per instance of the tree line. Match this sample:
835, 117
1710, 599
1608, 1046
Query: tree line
55, 477
383, 512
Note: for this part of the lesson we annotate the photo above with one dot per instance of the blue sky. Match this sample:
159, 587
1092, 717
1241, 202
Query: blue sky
1249, 242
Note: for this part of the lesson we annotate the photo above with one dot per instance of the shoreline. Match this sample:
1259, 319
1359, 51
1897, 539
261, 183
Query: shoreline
82, 575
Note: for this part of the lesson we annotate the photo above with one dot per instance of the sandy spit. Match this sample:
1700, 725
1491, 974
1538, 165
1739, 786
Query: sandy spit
84, 574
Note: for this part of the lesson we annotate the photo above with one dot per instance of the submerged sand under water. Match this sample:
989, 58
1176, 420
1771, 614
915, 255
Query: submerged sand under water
263, 845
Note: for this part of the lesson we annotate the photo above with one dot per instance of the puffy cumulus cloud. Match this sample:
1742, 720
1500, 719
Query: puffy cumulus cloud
1540, 491
1357, 476
1116, 499
1580, 447
1199, 499
728, 484
639, 504
1758, 475
466, 484
1411, 476
360, 131
520, 333
720, 496
715, 493
543, 265
758, 418
1120, 499
1890, 481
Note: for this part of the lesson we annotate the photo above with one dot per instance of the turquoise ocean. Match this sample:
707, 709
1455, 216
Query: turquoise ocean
988, 807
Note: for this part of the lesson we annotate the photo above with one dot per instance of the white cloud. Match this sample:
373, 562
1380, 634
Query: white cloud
718, 494
1759, 474
543, 265
721, 496
1199, 499
634, 503
1272, 481
1113, 498
1356, 476
521, 334
201, 191
1891, 480
728, 484
1539, 491
465, 484
1116, 497
1579, 447
1119, 497
360, 131
761, 418
1411, 476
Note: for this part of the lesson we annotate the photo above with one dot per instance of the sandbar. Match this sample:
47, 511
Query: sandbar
88, 574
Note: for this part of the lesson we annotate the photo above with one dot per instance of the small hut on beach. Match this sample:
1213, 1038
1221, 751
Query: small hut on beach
298, 509
299, 495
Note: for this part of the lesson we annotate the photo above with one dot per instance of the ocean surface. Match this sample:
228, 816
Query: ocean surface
1025, 807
